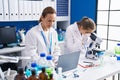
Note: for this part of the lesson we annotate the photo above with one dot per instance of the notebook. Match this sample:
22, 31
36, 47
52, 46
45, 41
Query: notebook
68, 61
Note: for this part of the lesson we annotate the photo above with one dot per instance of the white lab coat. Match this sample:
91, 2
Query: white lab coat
74, 40
35, 43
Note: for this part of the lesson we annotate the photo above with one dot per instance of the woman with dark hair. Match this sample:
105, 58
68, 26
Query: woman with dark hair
43, 37
77, 37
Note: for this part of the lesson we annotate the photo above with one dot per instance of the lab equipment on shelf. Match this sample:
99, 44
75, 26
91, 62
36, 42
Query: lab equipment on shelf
22, 37
61, 35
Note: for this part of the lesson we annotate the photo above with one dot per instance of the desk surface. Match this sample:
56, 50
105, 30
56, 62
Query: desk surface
108, 68
11, 50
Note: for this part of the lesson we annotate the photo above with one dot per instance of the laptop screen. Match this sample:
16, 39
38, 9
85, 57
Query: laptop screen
68, 61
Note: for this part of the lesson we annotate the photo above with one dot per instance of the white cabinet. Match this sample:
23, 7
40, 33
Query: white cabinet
29, 10
21, 10
1, 10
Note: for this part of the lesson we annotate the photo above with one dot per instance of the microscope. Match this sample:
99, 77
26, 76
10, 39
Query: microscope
93, 51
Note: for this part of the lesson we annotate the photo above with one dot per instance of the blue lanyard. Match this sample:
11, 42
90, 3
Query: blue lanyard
49, 47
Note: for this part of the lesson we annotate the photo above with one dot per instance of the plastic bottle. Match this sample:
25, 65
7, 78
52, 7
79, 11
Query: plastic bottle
101, 57
28, 73
28, 66
63, 35
60, 35
42, 60
32, 60
60, 73
55, 75
33, 64
117, 51
49, 71
49, 61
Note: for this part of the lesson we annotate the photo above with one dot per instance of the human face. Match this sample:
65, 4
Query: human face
48, 21
83, 31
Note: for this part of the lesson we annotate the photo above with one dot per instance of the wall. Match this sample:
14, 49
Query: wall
22, 13
80, 8
19, 24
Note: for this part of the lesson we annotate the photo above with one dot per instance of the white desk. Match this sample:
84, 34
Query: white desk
11, 50
98, 73
17, 50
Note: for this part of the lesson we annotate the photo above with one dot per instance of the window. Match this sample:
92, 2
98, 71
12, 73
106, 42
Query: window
108, 22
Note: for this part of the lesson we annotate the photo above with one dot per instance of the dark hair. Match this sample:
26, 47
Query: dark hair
87, 23
47, 10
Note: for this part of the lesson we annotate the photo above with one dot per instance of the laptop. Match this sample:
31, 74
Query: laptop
68, 61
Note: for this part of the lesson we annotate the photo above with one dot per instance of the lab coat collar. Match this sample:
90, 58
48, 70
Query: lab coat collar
40, 27
76, 29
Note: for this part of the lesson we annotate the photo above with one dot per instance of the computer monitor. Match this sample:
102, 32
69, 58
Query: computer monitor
7, 35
